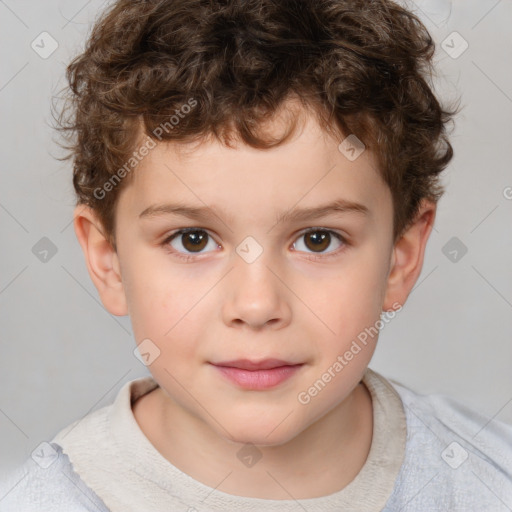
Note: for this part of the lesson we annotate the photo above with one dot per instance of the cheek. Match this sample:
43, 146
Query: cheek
163, 307
351, 308
354, 297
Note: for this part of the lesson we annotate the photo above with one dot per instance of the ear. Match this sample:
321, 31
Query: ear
407, 257
101, 259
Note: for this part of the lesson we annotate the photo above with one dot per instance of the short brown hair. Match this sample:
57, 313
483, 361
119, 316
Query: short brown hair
362, 66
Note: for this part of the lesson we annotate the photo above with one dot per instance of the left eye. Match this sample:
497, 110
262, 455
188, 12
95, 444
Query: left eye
317, 240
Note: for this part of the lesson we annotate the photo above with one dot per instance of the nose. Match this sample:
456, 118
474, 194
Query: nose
256, 296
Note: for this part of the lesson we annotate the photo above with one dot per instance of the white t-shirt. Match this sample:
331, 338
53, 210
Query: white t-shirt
428, 453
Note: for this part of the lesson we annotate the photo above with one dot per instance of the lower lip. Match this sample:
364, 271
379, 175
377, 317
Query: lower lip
258, 379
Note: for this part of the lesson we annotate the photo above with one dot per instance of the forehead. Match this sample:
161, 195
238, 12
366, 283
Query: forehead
309, 169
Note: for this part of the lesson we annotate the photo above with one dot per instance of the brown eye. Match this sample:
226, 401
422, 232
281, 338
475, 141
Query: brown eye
192, 240
319, 240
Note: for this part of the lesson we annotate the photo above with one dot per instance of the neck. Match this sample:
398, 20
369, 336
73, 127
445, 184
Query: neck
323, 459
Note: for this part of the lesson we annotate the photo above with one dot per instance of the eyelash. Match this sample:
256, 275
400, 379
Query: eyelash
190, 257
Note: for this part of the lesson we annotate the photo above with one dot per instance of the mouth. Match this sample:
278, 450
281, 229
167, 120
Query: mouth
247, 364
257, 375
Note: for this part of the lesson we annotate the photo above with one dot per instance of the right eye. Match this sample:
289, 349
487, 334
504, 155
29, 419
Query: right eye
193, 240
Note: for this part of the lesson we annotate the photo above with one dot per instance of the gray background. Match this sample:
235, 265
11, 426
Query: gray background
63, 355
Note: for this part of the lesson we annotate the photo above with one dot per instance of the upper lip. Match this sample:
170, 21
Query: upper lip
247, 364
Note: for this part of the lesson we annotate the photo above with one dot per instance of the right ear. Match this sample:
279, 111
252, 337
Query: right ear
101, 259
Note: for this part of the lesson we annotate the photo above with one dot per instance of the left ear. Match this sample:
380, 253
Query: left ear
407, 257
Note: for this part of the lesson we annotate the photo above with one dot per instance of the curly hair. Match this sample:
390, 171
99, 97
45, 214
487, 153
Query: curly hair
363, 67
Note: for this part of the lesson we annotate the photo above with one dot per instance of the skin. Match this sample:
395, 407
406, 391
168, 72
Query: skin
217, 307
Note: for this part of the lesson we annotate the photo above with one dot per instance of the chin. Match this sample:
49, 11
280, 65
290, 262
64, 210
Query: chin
262, 433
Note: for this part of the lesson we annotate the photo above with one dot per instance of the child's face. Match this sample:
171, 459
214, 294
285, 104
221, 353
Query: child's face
229, 302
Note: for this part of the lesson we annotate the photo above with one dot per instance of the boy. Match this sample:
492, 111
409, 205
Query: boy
256, 183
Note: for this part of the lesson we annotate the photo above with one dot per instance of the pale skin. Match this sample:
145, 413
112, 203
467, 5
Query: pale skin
218, 307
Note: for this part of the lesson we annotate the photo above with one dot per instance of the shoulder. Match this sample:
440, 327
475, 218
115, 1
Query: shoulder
450, 420
47, 482
456, 458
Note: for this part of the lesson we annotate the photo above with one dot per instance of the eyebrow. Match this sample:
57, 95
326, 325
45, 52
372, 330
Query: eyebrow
293, 215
